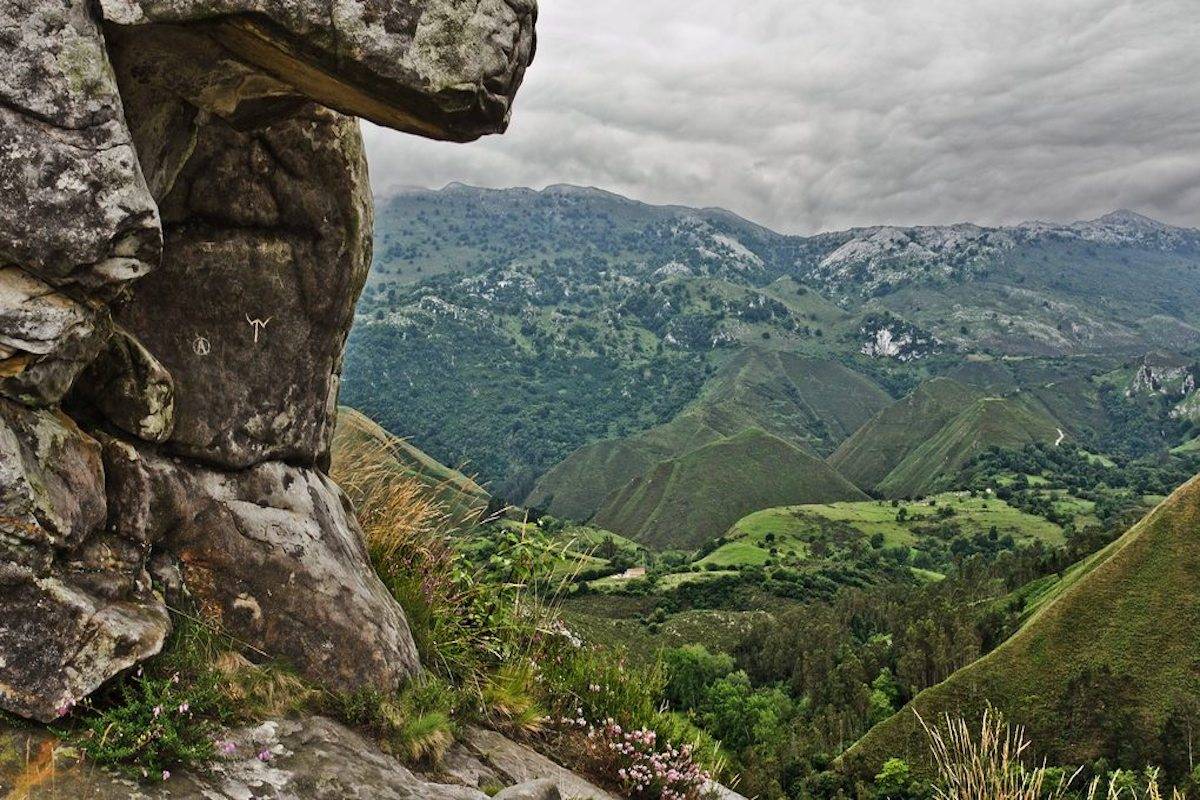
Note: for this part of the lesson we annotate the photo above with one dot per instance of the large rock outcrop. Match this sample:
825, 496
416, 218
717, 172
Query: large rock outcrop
185, 225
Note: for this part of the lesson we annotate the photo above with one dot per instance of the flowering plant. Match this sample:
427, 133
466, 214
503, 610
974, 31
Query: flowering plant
643, 767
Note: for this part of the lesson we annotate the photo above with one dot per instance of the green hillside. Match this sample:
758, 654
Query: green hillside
805, 401
987, 422
1104, 668
688, 500
777, 532
894, 433
1192, 446
816, 402
577, 486
357, 439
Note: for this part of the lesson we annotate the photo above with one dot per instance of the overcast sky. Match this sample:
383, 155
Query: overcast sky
808, 115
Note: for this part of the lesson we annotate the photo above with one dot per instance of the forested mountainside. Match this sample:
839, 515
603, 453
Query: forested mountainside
818, 477
503, 329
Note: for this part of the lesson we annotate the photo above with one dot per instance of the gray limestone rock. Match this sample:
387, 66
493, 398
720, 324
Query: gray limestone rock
181, 167
446, 69
271, 555
131, 389
268, 248
78, 208
75, 605
46, 338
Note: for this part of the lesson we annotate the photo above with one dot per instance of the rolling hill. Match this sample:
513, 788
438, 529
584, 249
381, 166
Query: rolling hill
879, 446
916, 445
987, 422
1104, 667
814, 403
685, 501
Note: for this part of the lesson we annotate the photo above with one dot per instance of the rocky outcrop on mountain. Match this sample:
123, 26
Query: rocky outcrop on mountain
887, 336
185, 226
1170, 376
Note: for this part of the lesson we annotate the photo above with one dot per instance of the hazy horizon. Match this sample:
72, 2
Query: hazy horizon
807, 116
382, 195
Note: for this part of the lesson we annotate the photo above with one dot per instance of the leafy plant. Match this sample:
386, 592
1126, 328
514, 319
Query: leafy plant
163, 715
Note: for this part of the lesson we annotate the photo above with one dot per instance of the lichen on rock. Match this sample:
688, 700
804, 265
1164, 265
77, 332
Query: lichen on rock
185, 226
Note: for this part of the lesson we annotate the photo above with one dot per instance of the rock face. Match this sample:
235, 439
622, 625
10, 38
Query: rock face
310, 759
185, 226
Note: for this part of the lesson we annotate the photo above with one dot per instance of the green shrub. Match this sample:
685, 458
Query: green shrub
690, 671
415, 724
159, 717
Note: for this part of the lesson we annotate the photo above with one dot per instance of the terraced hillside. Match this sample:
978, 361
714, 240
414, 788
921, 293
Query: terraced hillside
1106, 666
685, 501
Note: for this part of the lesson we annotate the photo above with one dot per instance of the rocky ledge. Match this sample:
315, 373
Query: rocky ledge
185, 226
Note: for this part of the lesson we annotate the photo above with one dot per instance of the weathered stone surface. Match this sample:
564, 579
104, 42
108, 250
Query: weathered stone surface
127, 123
79, 210
446, 69
273, 556
271, 225
46, 338
75, 605
130, 389
518, 764
59, 642
536, 790
51, 485
311, 759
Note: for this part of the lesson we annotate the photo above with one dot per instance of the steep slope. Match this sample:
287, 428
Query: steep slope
1101, 668
880, 445
363, 447
805, 401
577, 486
685, 501
987, 422
817, 402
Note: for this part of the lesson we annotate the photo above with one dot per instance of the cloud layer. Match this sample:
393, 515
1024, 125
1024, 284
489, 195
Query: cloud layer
810, 115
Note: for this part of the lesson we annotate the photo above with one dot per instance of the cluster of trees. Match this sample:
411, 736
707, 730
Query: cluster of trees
470, 398
802, 687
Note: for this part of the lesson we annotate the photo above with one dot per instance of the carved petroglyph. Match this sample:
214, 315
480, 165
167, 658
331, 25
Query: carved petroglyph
258, 325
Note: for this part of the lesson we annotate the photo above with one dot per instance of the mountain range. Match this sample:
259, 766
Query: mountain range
562, 343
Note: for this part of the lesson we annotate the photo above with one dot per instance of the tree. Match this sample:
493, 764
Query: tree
690, 671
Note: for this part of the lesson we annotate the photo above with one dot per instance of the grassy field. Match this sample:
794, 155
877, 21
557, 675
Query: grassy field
1105, 659
1192, 446
791, 530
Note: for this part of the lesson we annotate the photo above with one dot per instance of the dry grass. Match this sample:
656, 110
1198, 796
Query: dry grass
260, 692
475, 625
992, 765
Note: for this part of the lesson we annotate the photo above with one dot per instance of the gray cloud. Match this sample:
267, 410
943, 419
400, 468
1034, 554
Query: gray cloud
810, 115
